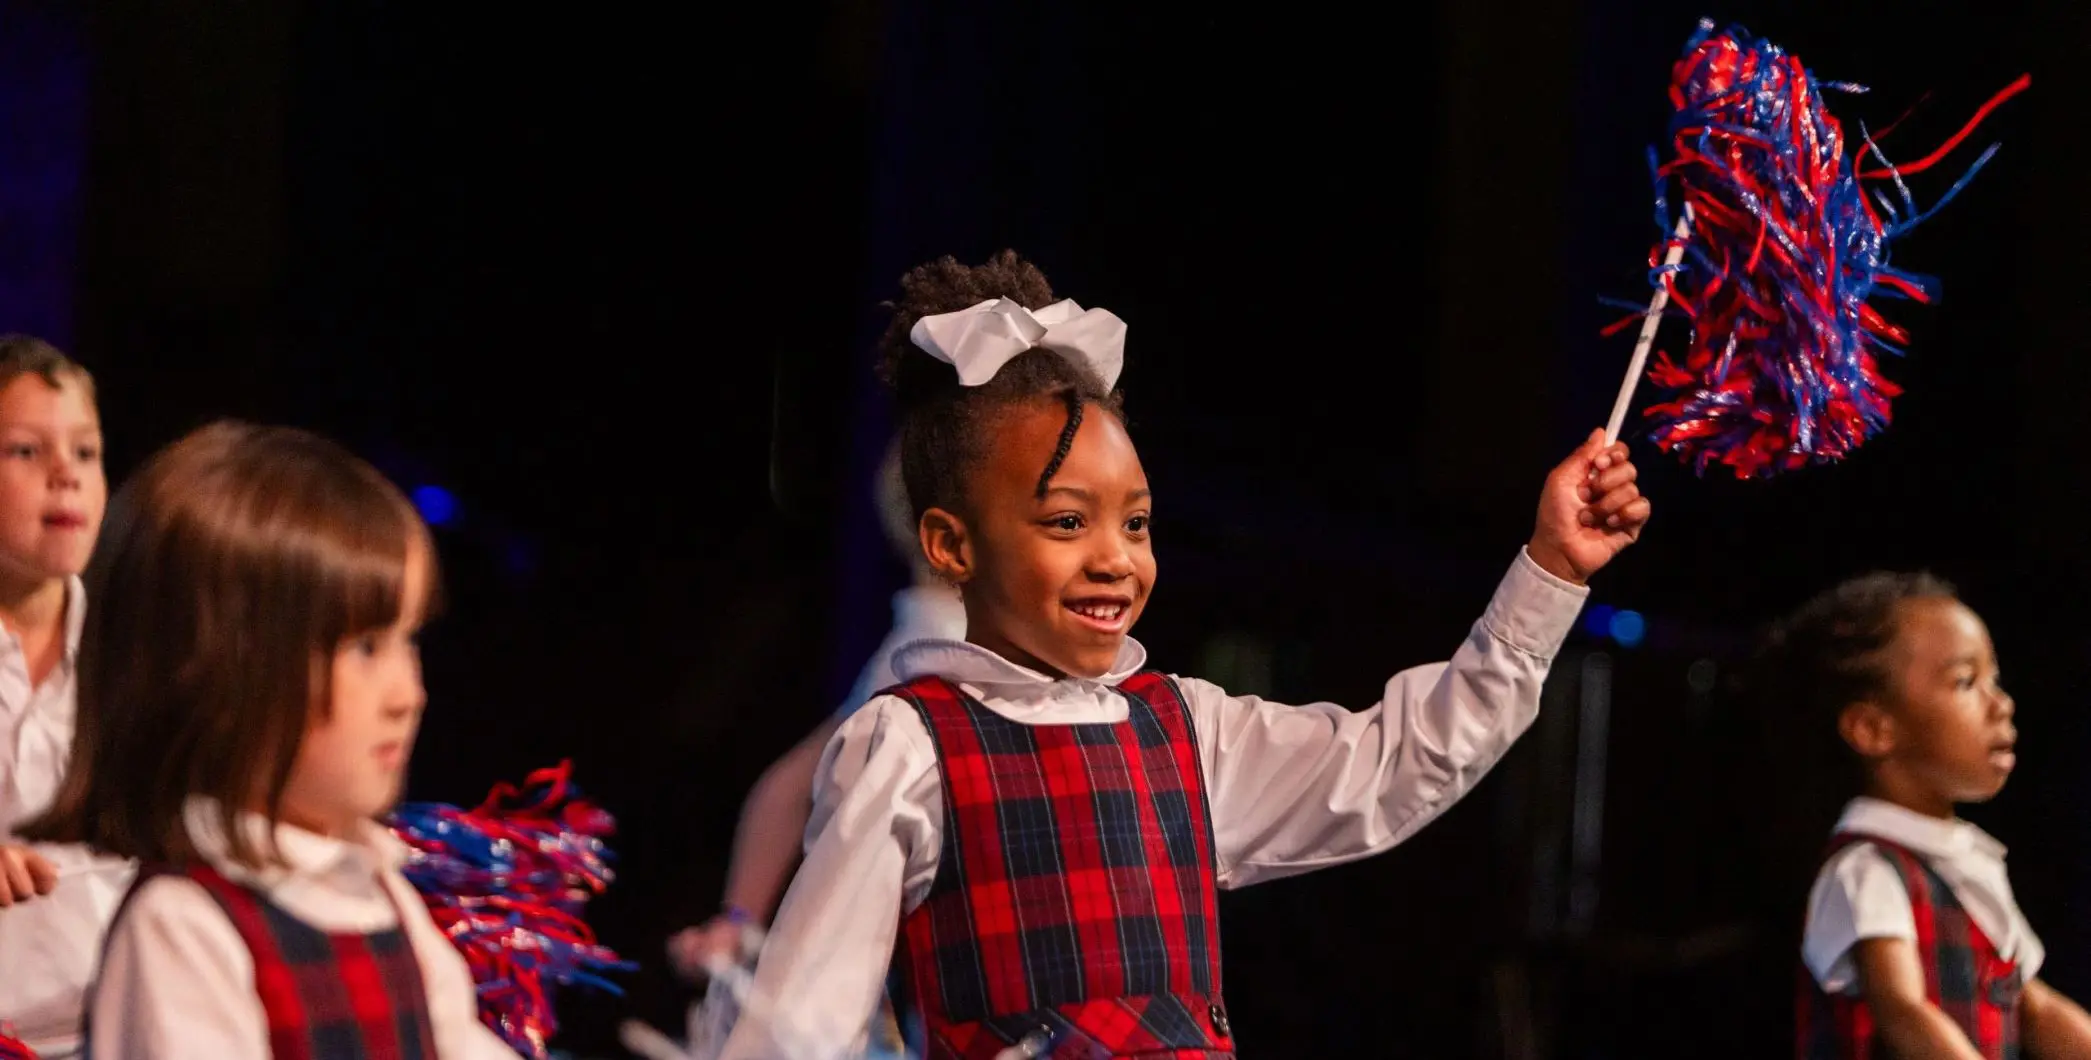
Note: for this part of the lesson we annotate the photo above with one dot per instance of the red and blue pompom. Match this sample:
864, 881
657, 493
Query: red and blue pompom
1785, 251
507, 882
13, 1048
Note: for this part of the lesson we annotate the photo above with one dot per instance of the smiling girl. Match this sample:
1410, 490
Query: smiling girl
1035, 818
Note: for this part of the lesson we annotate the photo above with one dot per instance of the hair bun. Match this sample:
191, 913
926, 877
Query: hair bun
945, 286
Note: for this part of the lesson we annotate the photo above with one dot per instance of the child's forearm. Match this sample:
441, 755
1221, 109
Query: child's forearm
1892, 980
773, 828
2054, 1027
1917, 1030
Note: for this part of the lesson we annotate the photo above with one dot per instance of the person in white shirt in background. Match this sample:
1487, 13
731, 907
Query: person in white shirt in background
1035, 818
55, 901
1914, 945
766, 846
250, 690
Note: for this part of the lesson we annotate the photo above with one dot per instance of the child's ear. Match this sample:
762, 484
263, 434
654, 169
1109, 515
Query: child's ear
1868, 729
946, 545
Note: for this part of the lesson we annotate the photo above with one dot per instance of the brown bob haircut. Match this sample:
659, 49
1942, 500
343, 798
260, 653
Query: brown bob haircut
232, 566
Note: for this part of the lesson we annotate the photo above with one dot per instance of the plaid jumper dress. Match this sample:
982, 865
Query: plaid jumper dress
327, 996
1963, 975
1075, 907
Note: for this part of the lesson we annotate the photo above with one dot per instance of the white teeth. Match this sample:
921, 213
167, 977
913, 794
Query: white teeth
1100, 612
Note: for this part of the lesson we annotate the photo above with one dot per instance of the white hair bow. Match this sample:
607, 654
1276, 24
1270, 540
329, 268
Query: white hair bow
979, 340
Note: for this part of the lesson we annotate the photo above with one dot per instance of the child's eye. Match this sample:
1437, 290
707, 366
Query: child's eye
1068, 523
89, 454
367, 644
24, 452
1139, 524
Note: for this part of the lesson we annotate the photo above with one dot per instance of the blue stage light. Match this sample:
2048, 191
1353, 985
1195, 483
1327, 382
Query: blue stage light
1597, 620
436, 505
1628, 628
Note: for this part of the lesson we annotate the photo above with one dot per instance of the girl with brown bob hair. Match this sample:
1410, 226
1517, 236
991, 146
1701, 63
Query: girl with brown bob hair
250, 689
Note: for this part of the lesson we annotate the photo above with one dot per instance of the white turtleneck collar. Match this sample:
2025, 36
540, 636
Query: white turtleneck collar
1020, 693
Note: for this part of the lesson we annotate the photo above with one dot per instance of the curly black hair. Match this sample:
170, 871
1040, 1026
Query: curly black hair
1828, 654
944, 426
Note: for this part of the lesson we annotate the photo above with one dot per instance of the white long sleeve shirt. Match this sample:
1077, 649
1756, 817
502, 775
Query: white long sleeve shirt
1292, 789
178, 982
49, 945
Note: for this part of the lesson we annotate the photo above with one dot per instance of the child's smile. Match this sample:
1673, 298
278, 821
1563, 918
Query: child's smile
1057, 582
1107, 614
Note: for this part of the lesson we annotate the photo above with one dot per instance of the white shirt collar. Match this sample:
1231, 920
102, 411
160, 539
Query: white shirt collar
1929, 836
75, 620
967, 663
308, 855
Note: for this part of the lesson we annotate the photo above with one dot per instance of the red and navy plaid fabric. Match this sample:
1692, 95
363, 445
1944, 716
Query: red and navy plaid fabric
327, 996
1075, 898
1963, 975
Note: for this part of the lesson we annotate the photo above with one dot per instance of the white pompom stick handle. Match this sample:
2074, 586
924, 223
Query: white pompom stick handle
1649, 325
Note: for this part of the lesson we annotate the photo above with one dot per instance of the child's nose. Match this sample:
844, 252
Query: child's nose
65, 471
407, 699
1110, 564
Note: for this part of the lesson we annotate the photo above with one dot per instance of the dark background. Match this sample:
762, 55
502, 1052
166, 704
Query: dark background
610, 279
